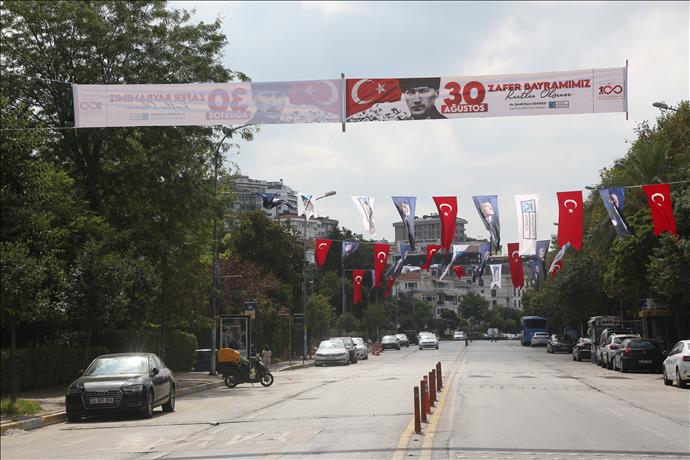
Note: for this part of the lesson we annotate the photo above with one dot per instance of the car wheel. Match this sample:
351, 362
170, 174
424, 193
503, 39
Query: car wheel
609, 365
73, 416
681, 383
147, 411
667, 381
623, 369
170, 405
420, 348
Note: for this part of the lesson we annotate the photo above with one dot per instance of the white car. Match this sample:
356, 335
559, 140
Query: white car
362, 351
458, 335
428, 340
332, 352
539, 338
613, 342
677, 365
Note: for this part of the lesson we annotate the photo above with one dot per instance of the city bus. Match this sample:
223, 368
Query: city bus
530, 325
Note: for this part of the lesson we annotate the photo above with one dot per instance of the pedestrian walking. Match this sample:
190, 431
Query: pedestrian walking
266, 356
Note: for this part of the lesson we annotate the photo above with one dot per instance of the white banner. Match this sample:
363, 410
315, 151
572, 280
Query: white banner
306, 205
458, 250
207, 104
495, 276
526, 206
365, 206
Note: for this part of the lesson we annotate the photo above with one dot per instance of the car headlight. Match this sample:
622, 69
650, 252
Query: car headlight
76, 388
135, 388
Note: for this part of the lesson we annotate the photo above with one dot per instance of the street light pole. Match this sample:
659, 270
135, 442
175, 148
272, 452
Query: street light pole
304, 277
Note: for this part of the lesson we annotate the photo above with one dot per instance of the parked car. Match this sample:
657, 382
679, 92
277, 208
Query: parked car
121, 382
332, 352
390, 341
603, 340
404, 341
639, 354
428, 340
582, 349
412, 336
362, 351
677, 365
613, 343
559, 344
351, 347
458, 335
539, 339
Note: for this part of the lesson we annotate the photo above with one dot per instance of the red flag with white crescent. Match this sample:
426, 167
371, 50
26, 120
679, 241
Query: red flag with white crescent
556, 268
322, 247
324, 94
447, 210
389, 286
381, 251
365, 93
517, 273
459, 271
570, 219
659, 198
357, 278
431, 250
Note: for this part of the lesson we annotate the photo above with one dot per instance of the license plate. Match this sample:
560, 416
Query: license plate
645, 361
109, 400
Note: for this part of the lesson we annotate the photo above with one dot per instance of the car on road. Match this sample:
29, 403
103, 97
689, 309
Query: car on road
602, 340
559, 344
404, 341
390, 341
677, 365
611, 347
582, 349
123, 382
539, 339
332, 352
412, 336
458, 335
351, 347
428, 340
362, 350
635, 353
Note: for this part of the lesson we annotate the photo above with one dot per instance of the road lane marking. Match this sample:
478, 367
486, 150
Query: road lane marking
257, 414
404, 441
431, 428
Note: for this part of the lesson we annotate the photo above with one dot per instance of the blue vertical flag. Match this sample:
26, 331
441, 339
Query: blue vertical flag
348, 248
397, 269
406, 208
542, 251
487, 207
271, 200
483, 259
613, 199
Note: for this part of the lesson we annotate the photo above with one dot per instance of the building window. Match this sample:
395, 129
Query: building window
493, 293
410, 285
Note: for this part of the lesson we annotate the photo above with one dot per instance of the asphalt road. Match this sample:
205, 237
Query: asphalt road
504, 401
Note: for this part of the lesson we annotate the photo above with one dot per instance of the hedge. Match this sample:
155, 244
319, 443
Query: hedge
44, 367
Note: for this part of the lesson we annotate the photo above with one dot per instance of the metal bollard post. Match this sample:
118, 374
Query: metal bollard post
432, 387
417, 422
427, 399
422, 399
439, 379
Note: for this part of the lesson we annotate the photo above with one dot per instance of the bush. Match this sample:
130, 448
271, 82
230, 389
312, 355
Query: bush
180, 350
21, 407
44, 367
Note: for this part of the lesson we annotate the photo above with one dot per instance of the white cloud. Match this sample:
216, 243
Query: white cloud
329, 9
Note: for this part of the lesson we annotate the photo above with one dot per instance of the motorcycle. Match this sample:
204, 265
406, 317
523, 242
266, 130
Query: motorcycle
246, 371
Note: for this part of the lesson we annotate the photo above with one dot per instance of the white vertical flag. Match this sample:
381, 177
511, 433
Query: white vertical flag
365, 206
458, 250
526, 206
306, 204
495, 275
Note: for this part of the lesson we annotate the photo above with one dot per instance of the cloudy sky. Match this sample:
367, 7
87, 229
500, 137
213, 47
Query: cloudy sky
285, 41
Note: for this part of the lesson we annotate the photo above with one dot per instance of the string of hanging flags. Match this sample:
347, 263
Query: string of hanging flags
351, 100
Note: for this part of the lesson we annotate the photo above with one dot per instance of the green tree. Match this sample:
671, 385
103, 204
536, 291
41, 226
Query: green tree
321, 316
474, 307
375, 320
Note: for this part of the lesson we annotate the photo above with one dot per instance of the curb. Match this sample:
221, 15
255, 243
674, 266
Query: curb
50, 419
296, 366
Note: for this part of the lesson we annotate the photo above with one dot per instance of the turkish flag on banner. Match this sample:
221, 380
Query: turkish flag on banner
357, 277
459, 271
447, 211
381, 251
570, 219
365, 93
659, 198
324, 94
322, 247
431, 249
556, 268
517, 273
389, 286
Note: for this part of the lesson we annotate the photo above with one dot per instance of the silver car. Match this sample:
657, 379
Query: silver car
362, 351
332, 352
428, 340
539, 339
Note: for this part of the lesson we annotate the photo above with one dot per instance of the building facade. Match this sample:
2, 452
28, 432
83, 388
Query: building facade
427, 230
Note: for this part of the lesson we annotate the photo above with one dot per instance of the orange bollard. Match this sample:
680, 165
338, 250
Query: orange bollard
422, 399
432, 387
417, 422
439, 379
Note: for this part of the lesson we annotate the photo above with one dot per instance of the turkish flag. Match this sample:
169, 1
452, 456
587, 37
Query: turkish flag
324, 94
570, 219
431, 249
517, 273
381, 251
556, 268
357, 277
447, 210
459, 271
659, 198
365, 93
389, 286
322, 247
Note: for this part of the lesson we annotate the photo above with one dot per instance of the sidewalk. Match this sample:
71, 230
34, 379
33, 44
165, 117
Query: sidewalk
52, 400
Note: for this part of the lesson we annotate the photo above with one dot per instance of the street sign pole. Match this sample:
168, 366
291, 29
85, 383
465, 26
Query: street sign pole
290, 338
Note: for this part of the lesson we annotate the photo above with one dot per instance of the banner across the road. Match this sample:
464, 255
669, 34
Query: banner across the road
351, 100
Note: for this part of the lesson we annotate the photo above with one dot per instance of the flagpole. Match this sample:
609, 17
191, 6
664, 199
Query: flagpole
342, 267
